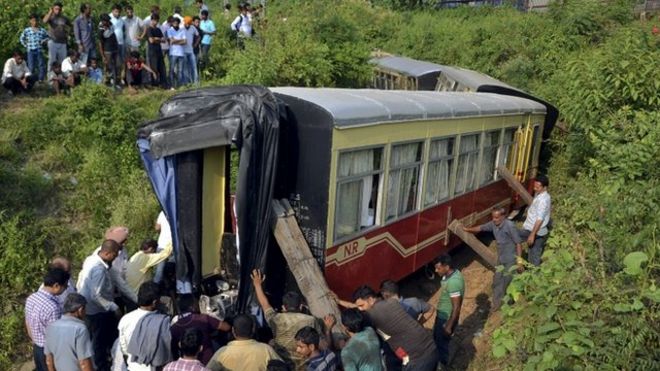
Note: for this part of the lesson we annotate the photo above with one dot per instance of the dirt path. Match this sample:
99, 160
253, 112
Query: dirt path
470, 340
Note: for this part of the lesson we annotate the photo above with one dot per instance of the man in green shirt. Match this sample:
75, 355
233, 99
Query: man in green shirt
449, 305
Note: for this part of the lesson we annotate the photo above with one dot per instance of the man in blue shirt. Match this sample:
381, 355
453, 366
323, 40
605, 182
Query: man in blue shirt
208, 30
68, 343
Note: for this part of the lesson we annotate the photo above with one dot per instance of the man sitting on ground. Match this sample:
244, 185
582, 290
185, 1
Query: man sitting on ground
286, 324
73, 68
16, 76
244, 353
94, 72
135, 68
56, 79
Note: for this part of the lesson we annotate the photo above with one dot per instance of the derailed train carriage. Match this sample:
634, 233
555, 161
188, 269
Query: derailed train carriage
374, 176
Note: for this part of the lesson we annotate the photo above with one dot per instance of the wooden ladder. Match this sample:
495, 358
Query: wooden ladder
302, 263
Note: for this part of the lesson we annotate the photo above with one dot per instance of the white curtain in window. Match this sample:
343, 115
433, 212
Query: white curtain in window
356, 162
437, 178
437, 181
489, 157
402, 188
465, 178
348, 200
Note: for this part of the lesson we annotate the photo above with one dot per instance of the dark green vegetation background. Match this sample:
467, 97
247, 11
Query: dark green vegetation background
69, 167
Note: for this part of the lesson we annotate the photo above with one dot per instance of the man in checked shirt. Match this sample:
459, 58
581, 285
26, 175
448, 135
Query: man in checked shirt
42, 308
33, 39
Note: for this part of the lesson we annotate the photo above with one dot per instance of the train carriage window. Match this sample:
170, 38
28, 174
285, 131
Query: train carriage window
505, 154
358, 181
468, 158
403, 183
441, 162
489, 159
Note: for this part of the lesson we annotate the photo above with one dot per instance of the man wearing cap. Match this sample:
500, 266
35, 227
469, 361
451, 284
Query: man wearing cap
68, 344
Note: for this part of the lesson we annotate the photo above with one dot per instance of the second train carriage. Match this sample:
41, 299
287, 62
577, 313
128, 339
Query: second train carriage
374, 176
402, 73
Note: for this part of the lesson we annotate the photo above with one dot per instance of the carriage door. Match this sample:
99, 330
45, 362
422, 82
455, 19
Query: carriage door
524, 140
215, 208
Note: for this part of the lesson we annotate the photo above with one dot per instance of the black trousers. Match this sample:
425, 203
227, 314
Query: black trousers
103, 328
157, 63
14, 85
39, 358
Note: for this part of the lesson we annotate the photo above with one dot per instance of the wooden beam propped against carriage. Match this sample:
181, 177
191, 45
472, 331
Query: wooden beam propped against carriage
515, 184
302, 263
482, 250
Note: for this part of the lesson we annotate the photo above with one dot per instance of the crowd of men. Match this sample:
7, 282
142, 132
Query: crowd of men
134, 51
113, 318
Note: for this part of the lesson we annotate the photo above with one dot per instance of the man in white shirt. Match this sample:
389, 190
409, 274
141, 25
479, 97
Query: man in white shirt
148, 299
134, 31
164, 239
535, 229
73, 68
242, 24
200, 4
16, 75
119, 28
177, 37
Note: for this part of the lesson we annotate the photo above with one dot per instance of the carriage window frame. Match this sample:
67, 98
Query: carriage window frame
339, 181
399, 168
459, 154
505, 159
496, 149
433, 160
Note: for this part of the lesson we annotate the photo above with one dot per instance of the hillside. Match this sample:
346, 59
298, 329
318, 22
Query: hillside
69, 167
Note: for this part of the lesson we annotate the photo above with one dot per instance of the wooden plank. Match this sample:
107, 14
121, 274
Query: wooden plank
302, 263
482, 250
515, 184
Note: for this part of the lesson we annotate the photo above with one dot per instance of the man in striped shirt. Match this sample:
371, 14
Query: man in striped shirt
33, 39
42, 308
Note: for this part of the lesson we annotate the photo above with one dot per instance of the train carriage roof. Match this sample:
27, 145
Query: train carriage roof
359, 107
406, 66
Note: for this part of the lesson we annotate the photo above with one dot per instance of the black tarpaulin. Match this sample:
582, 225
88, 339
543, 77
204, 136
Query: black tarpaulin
248, 116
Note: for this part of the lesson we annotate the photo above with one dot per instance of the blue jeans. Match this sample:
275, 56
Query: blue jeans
535, 252
190, 69
36, 63
39, 358
176, 71
441, 340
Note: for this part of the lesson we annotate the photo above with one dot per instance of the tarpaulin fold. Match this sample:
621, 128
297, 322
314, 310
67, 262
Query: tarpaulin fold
248, 116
